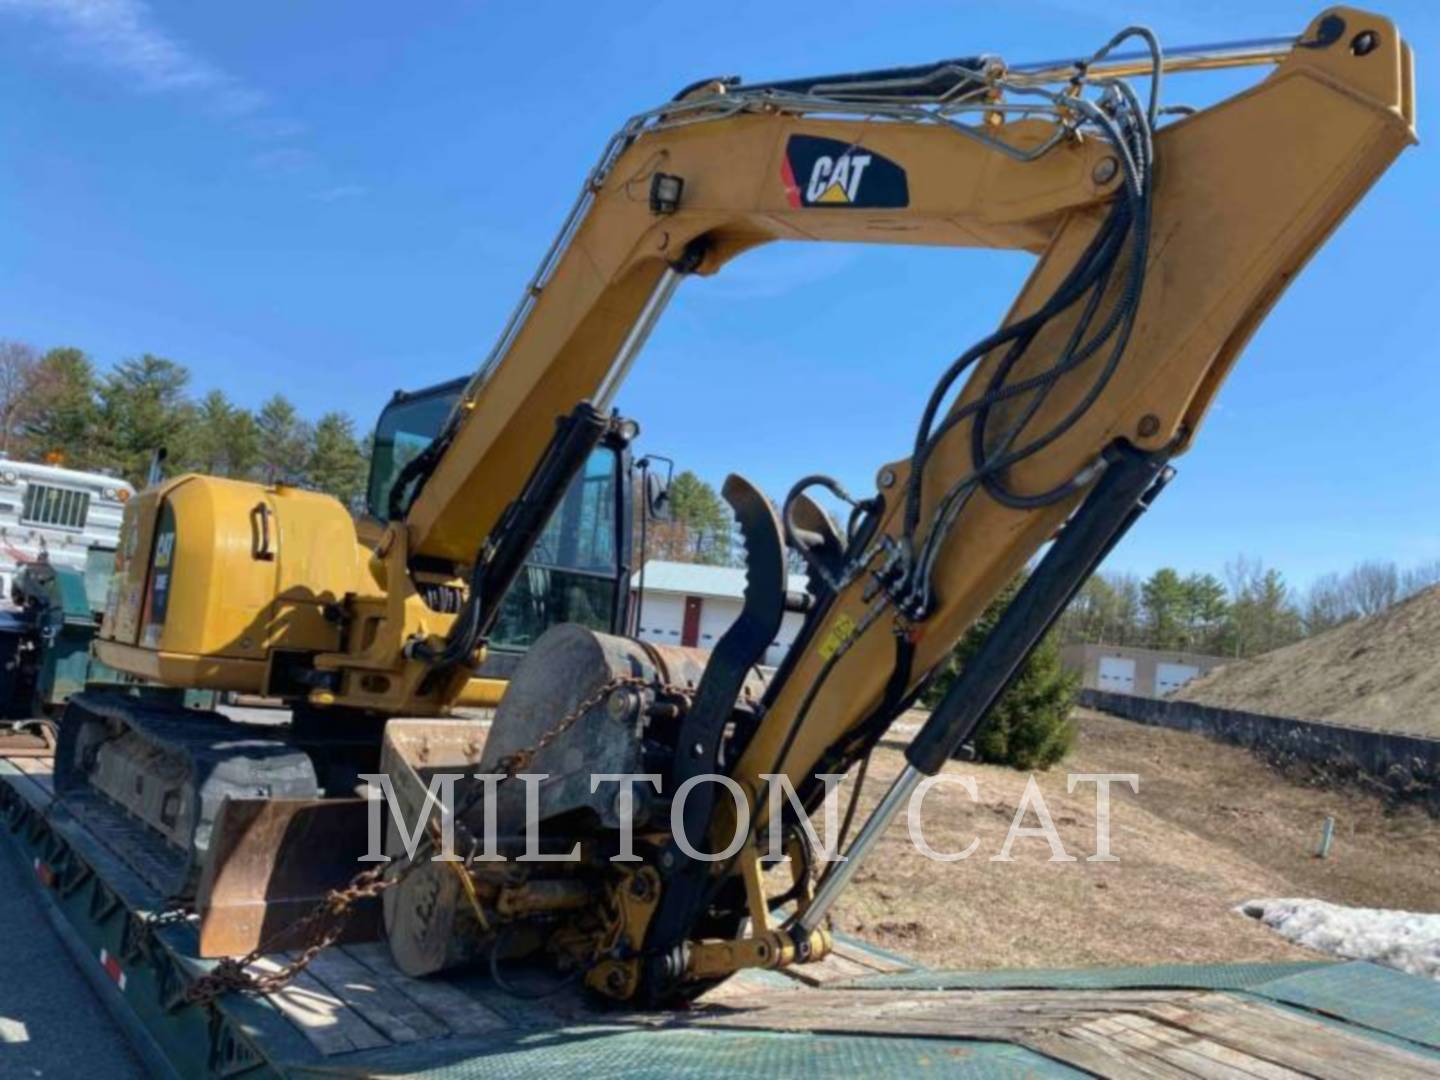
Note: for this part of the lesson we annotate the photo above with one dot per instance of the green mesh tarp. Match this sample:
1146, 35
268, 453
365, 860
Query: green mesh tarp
668, 1054
1405, 1006
1154, 977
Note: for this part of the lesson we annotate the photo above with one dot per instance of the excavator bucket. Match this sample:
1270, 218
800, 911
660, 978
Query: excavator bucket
272, 861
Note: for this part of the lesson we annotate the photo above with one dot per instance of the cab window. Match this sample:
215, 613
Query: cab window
406, 427
572, 572
570, 575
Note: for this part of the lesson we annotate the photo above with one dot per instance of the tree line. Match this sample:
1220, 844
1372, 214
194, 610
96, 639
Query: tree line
1252, 611
57, 406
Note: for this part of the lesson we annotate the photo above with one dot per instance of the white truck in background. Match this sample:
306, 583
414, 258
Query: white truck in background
60, 514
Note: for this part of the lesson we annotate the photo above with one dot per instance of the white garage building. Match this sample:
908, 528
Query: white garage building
689, 604
1125, 669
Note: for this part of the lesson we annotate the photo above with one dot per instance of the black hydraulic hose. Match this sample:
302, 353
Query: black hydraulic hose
1112, 506
1130, 218
1080, 277
1126, 309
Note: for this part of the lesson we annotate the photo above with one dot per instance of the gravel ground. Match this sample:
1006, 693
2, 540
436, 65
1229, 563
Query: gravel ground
51, 1021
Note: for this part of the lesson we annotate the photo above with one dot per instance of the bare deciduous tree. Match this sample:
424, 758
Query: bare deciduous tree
1327, 604
1371, 587
19, 364
1419, 578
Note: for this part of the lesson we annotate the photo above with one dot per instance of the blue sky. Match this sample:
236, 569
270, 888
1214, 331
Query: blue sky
335, 200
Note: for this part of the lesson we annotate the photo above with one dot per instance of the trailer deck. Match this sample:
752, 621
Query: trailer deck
861, 1010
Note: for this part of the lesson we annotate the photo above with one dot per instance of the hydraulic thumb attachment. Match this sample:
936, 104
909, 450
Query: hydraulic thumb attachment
1130, 482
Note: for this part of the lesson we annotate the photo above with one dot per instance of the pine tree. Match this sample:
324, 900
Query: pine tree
143, 408
63, 420
210, 445
1030, 726
337, 462
699, 527
1166, 605
284, 441
243, 443
1205, 611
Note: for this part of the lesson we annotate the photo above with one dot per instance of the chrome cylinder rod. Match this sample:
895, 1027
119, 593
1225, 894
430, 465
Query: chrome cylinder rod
840, 873
635, 339
1225, 54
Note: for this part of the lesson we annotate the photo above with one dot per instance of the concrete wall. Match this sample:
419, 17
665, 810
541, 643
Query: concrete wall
1406, 766
1149, 668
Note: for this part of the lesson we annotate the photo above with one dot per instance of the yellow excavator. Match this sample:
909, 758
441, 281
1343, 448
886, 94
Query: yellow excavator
1163, 235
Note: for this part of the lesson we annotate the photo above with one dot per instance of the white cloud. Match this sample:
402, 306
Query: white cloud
122, 35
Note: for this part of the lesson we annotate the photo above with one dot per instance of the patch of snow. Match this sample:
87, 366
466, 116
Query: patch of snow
1399, 939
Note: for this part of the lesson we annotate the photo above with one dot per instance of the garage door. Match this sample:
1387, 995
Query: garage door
1117, 674
1170, 677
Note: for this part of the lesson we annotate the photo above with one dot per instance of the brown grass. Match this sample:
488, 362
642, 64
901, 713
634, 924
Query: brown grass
1381, 672
1211, 827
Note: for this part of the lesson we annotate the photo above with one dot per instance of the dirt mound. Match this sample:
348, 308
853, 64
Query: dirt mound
1381, 672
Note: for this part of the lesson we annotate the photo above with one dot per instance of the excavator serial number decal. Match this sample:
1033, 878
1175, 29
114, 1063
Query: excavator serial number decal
829, 173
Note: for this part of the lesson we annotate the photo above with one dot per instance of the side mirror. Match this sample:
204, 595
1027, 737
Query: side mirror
657, 497
156, 473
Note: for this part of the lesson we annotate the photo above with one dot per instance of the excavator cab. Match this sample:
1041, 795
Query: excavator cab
580, 566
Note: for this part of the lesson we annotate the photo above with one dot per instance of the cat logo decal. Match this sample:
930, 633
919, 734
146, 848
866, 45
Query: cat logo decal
829, 173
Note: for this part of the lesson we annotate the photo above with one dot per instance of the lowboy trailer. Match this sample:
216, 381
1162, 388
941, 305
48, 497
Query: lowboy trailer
861, 1011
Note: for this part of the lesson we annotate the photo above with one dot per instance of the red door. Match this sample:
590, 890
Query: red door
690, 628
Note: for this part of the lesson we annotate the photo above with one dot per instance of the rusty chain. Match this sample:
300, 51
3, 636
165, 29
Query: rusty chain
328, 919
332, 913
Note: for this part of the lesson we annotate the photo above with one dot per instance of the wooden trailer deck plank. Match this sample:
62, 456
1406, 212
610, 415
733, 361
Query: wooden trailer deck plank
975, 1014
1288, 1039
388, 1010
457, 1011
1200, 1055
330, 1025
39, 769
873, 961
29, 786
831, 969
1101, 1055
